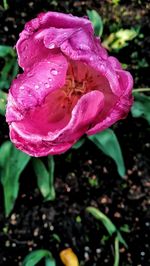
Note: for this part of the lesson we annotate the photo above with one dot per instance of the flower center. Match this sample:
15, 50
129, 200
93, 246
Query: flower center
74, 88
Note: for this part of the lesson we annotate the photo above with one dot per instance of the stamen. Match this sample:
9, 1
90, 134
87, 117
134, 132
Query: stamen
73, 89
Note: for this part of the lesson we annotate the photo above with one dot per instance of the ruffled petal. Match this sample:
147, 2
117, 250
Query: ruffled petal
85, 111
60, 141
31, 88
121, 107
30, 46
38, 148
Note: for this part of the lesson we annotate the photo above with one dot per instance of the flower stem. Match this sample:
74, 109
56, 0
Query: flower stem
141, 90
116, 262
5, 4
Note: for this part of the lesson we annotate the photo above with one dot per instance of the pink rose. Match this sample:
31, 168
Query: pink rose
69, 87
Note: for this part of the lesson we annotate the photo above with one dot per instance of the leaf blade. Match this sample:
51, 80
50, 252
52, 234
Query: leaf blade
11, 169
36, 256
105, 139
96, 21
78, 144
110, 227
141, 106
45, 178
3, 101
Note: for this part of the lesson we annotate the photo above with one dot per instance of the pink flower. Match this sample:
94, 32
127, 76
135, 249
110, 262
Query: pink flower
69, 87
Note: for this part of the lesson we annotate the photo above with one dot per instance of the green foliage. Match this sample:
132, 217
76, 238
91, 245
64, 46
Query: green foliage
12, 163
138, 62
5, 4
6, 50
116, 255
110, 227
45, 177
108, 143
10, 66
78, 144
115, 2
93, 181
96, 21
36, 256
3, 100
125, 228
119, 39
141, 106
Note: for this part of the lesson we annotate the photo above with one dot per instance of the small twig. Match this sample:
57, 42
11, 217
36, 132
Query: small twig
141, 90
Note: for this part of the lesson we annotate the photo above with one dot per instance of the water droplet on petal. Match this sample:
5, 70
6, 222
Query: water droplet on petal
20, 116
51, 46
22, 88
54, 71
91, 58
46, 85
29, 74
36, 86
50, 79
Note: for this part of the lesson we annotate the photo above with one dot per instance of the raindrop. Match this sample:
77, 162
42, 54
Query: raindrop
54, 72
46, 85
20, 116
22, 88
36, 86
29, 74
50, 79
51, 46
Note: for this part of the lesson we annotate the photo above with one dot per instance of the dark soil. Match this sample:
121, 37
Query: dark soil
35, 224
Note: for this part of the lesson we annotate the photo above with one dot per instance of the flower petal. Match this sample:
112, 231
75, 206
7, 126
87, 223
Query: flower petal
85, 111
60, 141
31, 88
122, 106
31, 49
38, 148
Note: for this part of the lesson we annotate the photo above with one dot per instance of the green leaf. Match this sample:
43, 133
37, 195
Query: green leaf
78, 144
45, 178
8, 72
108, 143
141, 106
96, 21
4, 153
110, 227
49, 262
6, 50
3, 101
10, 66
5, 4
35, 256
118, 40
12, 163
